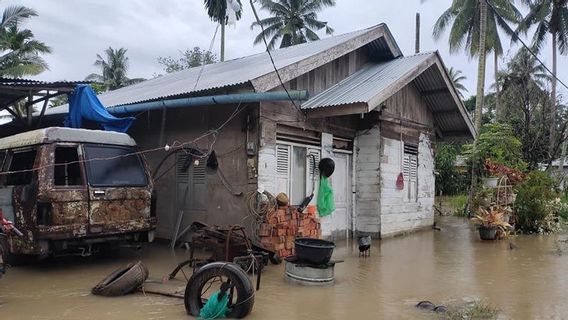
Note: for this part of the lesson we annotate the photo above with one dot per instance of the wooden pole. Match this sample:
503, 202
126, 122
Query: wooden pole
417, 44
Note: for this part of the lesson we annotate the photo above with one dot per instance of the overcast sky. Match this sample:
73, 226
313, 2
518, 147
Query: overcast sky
78, 30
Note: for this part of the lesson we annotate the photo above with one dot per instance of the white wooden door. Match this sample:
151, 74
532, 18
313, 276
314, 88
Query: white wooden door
338, 222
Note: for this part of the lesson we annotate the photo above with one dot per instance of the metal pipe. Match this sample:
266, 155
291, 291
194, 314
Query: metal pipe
210, 100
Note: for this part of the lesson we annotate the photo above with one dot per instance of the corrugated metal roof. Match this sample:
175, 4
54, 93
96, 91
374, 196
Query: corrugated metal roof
229, 73
24, 82
376, 82
13, 90
365, 84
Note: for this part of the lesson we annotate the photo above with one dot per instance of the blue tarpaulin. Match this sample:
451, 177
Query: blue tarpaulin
84, 105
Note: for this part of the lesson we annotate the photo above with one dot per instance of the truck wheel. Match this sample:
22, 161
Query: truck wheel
208, 279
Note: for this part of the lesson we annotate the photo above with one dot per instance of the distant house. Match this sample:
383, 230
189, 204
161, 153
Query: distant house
357, 100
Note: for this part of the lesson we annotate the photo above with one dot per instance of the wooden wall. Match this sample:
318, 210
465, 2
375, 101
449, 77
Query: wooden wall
330, 74
185, 125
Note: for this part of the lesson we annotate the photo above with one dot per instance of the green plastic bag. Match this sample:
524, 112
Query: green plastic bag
326, 204
215, 308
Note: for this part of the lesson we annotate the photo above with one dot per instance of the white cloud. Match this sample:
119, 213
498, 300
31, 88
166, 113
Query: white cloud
78, 30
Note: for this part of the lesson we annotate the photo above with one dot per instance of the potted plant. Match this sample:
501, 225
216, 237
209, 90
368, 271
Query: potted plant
494, 172
491, 223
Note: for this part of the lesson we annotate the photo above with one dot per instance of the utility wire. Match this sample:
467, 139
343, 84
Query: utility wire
204, 57
175, 146
530, 50
272, 61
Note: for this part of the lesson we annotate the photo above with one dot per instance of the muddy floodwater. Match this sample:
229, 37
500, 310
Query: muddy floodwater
446, 267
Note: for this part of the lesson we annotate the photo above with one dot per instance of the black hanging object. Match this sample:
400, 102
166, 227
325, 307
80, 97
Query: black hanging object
187, 163
212, 162
326, 167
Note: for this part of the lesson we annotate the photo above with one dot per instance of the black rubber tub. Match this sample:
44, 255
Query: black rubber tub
314, 251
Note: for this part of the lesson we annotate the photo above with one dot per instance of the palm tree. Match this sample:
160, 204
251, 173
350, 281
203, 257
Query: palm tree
549, 17
217, 11
525, 97
114, 70
457, 78
21, 52
466, 18
293, 21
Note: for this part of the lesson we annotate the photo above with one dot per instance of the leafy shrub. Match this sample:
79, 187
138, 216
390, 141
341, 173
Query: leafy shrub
534, 204
449, 180
496, 143
562, 210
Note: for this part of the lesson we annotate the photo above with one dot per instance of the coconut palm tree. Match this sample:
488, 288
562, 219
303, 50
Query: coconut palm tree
292, 21
549, 17
217, 11
22, 55
465, 17
458, 78
525, 96
21, 52
114, 70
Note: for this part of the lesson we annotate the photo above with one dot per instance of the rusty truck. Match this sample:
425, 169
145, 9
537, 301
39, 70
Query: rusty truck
72, 191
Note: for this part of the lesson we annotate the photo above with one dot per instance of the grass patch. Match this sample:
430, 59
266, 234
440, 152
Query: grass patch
476, 310
459, 203
452, 205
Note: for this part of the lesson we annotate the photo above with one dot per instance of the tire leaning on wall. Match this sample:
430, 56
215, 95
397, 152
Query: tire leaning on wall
243, 286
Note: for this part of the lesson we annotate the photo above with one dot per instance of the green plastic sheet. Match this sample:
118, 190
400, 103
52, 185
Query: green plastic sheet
215, 308
326, 204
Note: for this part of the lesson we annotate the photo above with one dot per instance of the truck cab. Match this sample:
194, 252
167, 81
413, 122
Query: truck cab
69, 190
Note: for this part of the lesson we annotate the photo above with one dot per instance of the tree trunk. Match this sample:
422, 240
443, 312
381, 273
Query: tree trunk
553, 100
561, 164
480, 83
498, 111
222, 42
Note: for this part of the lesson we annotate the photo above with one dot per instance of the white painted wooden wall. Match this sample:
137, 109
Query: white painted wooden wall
367, 163
398, 212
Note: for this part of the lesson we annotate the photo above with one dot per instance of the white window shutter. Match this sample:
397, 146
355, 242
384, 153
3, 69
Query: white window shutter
283, 158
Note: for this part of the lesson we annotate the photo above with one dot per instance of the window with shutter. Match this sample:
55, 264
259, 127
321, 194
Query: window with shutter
283, 169
410, 171
191, 182
296, 171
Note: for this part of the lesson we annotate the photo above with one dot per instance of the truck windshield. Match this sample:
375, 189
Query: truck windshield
114, 166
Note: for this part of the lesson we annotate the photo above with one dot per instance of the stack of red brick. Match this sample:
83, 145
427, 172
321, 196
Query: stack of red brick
285, 225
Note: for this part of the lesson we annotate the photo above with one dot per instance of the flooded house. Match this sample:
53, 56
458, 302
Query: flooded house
354, 98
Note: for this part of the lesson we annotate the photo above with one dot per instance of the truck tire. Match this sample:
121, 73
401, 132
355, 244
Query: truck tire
242, 284
122, 281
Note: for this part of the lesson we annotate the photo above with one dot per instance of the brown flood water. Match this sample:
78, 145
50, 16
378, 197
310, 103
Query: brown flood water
447, 267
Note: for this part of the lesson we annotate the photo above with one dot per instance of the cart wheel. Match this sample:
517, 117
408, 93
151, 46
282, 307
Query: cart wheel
208, 279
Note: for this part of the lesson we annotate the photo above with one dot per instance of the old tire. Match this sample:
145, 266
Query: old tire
122, 281
243, 286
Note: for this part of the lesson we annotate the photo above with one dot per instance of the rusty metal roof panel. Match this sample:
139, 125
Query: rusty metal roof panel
56, 134
23, 82
367, 83
223, 74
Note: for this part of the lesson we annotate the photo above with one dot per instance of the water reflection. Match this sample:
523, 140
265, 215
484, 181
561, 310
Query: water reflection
447, 267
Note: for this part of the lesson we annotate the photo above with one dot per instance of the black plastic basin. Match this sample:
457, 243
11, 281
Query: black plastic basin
314, 251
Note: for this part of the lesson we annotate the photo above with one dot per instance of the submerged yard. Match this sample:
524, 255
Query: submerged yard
450, 267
